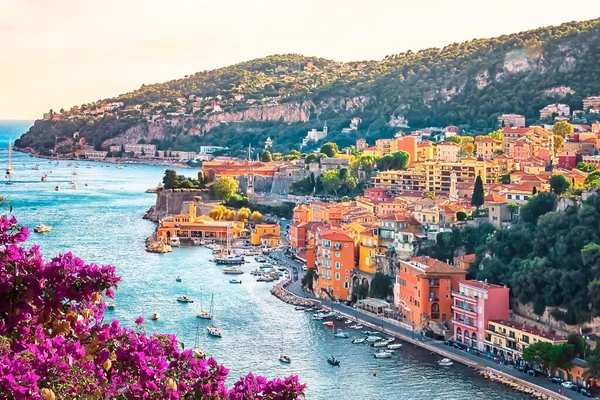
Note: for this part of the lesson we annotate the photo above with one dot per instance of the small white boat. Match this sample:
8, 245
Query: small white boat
214, 331
110, 305
355, 326
340, 334
184, 299
318, 317
37, 167
373, 339
234, 270
44, 177
235, 281
204, 315
358, 340
74, 186
394, 346
178, 278
284, 358
382, 354
381, 343
298, 308
57, 188
199, 353
155, 316
41, 228
445, 362
174, 241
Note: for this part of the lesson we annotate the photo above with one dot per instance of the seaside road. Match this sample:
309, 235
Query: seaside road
389, 327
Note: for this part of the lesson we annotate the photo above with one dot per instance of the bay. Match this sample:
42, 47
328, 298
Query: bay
102, 223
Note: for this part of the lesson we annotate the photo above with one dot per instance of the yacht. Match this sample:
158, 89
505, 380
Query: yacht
358, 340
184, 299
214, 331
381, 343
284, 358
299, 308
110, 305
41, 228
230, 259
372, 339
445, 362
205, 314
233, 270
155, 316
394, 346
382, 354
199, 353
238, 281
340, 334
174, 241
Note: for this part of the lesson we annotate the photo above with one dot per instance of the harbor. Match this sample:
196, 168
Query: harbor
102, 223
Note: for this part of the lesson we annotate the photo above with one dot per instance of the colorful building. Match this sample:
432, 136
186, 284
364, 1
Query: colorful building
464, 262
425, 151
486, 147
267, 231
369, 250
409, 145
475, 304
508, 339
423, 289
448, 152
335, 260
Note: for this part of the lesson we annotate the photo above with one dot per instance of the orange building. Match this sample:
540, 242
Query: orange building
409, 145
423, 289
335, 263
302, 213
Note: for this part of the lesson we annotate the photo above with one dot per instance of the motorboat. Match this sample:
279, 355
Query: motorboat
298, 308
37, 167
230, 259
260, 259
174, 241
110, 305
309, 309
340, 334
328, 323
355, 326
394, 346
445, 362
238, 281
178, 278
348, 321
57, 188
381, 343
284, 358
340, 318
155, 316
214, 331
371, 333
44, 177
184, 299
234, 270
333, 361
318, 317
41, 228
358, 340
199, 353
373, 339
382, 354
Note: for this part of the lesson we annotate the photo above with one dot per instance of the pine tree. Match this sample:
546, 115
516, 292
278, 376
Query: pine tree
534, 191
478, 195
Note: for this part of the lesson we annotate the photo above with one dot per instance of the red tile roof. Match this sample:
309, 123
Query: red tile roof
479, 284
520, 131
432, 266
337, 237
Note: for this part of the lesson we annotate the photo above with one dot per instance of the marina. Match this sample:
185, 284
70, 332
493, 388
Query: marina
248, 316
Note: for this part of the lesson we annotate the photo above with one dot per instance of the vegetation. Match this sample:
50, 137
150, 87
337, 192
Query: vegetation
466, 84
586, 167
550, 357
478, 195
559, 184
563, 129
225, 187
309, 278
381, 286
171, 180
330, 149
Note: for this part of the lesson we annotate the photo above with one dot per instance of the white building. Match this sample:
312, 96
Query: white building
211, 149
591, 102
512, 120
95, 155
115, 149
113, 106
143, 149
551, 109
315, 135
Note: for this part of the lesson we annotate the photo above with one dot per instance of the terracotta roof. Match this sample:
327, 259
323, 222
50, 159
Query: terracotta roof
396, 217
494, 198
269, 236
337, 237
478, 284
448, 144
530, 330
468, 258
432, 266
486, 139
521, 131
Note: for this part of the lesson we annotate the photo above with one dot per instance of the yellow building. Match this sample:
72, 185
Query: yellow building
436, 176
425, 151
267, 231
386, 146
190, 226
486, 147
368, 249
509, 339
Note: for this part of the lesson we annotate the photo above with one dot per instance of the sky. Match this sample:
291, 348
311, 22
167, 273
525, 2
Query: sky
59, 53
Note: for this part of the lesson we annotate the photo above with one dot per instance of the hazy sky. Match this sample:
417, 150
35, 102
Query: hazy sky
58, 53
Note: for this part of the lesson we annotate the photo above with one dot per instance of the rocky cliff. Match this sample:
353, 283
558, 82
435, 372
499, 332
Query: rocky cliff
169, 202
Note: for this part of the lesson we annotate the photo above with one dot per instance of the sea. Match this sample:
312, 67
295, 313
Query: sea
101, 222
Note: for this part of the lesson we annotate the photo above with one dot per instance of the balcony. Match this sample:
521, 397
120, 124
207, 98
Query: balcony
463, 309
435, 315
465, 297
464, 322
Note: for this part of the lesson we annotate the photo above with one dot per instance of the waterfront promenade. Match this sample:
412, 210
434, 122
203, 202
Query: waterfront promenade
404, 332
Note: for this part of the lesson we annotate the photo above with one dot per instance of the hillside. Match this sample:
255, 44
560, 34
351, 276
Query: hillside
283, 96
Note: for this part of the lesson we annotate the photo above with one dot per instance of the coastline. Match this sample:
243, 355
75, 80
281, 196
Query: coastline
139, 161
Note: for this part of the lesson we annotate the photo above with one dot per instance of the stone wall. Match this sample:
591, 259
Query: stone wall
170, 202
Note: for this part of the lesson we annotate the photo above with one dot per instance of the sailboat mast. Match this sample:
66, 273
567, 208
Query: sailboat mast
10, 154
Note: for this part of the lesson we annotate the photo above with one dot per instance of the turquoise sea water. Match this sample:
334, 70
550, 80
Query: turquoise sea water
102, 223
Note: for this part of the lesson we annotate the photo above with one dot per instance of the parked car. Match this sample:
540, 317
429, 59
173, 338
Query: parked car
521, 368
586, 392
556, 379
569, 385
533, 372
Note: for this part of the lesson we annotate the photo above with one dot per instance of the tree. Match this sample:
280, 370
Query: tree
429, 195
478, 195
229, 215
586, 167
558, 143
468, 148
170, 179
537, 206
593, 179
225, 187
513, 208
266, 156
256, 217
330, 149
345, 199
308, 278
559, 184
496, 135
593, 371
539, 353
351, 182
243, 214
461, 216
561, 357
366, 164
218, 212
381, 286
563, 128
453, 139
331, 180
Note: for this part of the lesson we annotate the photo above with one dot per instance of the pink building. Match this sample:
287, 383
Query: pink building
474, 304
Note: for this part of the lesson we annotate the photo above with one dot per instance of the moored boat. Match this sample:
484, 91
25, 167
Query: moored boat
284, 358
184, 299
155, 316
174, 241
214, 331
233, 270
372, 339
110, 305
381, 343
445, 362
358, 340
340, 334
238, 281
178, 278
298, 308
333, 361
41, 228
394, 346
382, 354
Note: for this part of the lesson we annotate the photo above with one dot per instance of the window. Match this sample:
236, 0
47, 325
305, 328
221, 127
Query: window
346, 285
337, 254
337, 265
337, 276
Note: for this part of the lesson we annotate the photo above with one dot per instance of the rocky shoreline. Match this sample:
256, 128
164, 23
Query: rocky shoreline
282, 294
519, 387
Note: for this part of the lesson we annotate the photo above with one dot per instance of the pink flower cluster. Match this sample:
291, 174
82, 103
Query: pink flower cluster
54, 344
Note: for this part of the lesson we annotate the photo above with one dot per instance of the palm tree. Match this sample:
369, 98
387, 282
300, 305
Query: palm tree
593, 371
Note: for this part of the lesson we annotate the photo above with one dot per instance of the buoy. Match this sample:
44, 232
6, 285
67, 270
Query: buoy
374, 372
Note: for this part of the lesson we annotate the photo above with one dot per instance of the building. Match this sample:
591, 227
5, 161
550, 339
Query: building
464, 262
437, 176
567, 159
211, 149
591, 102
423, 289
448, 152
113, 106
498, 211
512, 120
401, 233
386, 146
94, 155
508, 339
361, 144
552, 110
475, 303
409, 145
140, 149
510, 135
425, 151
520, 150
315, 135
268, 143
115, 149
266, 231
486, 147
335, 263
369, 250
190, 226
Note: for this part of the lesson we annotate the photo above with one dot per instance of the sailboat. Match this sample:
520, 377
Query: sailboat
284, 358
212, 329
198, 352
204, 314
228, 258
331, 359
9, 169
